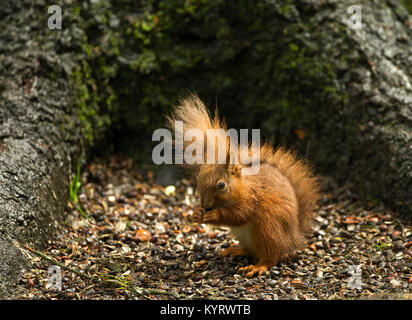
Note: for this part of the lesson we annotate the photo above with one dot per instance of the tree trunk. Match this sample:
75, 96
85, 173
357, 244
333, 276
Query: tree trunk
371, 132
38, 137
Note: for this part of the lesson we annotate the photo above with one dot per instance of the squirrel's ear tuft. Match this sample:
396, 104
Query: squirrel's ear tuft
227, 159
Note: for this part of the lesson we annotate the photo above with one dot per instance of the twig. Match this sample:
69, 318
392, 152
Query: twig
158, 291
51, 260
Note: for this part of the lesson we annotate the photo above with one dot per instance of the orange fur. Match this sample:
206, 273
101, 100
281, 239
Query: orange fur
269, 211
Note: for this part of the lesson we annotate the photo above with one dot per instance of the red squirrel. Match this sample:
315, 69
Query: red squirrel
269, 212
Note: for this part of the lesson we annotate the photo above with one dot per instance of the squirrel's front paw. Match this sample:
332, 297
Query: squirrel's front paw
211, 216
198, 215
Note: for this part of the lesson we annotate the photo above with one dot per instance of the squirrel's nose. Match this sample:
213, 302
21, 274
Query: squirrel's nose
208, 205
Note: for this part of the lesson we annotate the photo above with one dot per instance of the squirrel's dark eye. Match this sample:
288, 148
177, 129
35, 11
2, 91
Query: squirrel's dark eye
221, 185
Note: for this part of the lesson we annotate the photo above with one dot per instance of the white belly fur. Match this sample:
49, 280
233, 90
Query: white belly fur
244, 235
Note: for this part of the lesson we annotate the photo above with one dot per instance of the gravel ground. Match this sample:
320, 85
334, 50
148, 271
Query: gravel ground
138, 242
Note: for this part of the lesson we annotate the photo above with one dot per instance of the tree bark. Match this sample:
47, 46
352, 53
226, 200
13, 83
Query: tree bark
38, 137
371, 134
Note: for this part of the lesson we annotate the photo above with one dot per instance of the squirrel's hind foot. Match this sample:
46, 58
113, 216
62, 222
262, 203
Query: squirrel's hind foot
250, 271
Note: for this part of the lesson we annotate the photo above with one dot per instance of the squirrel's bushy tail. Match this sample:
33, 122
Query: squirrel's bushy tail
193, 114
300, 175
